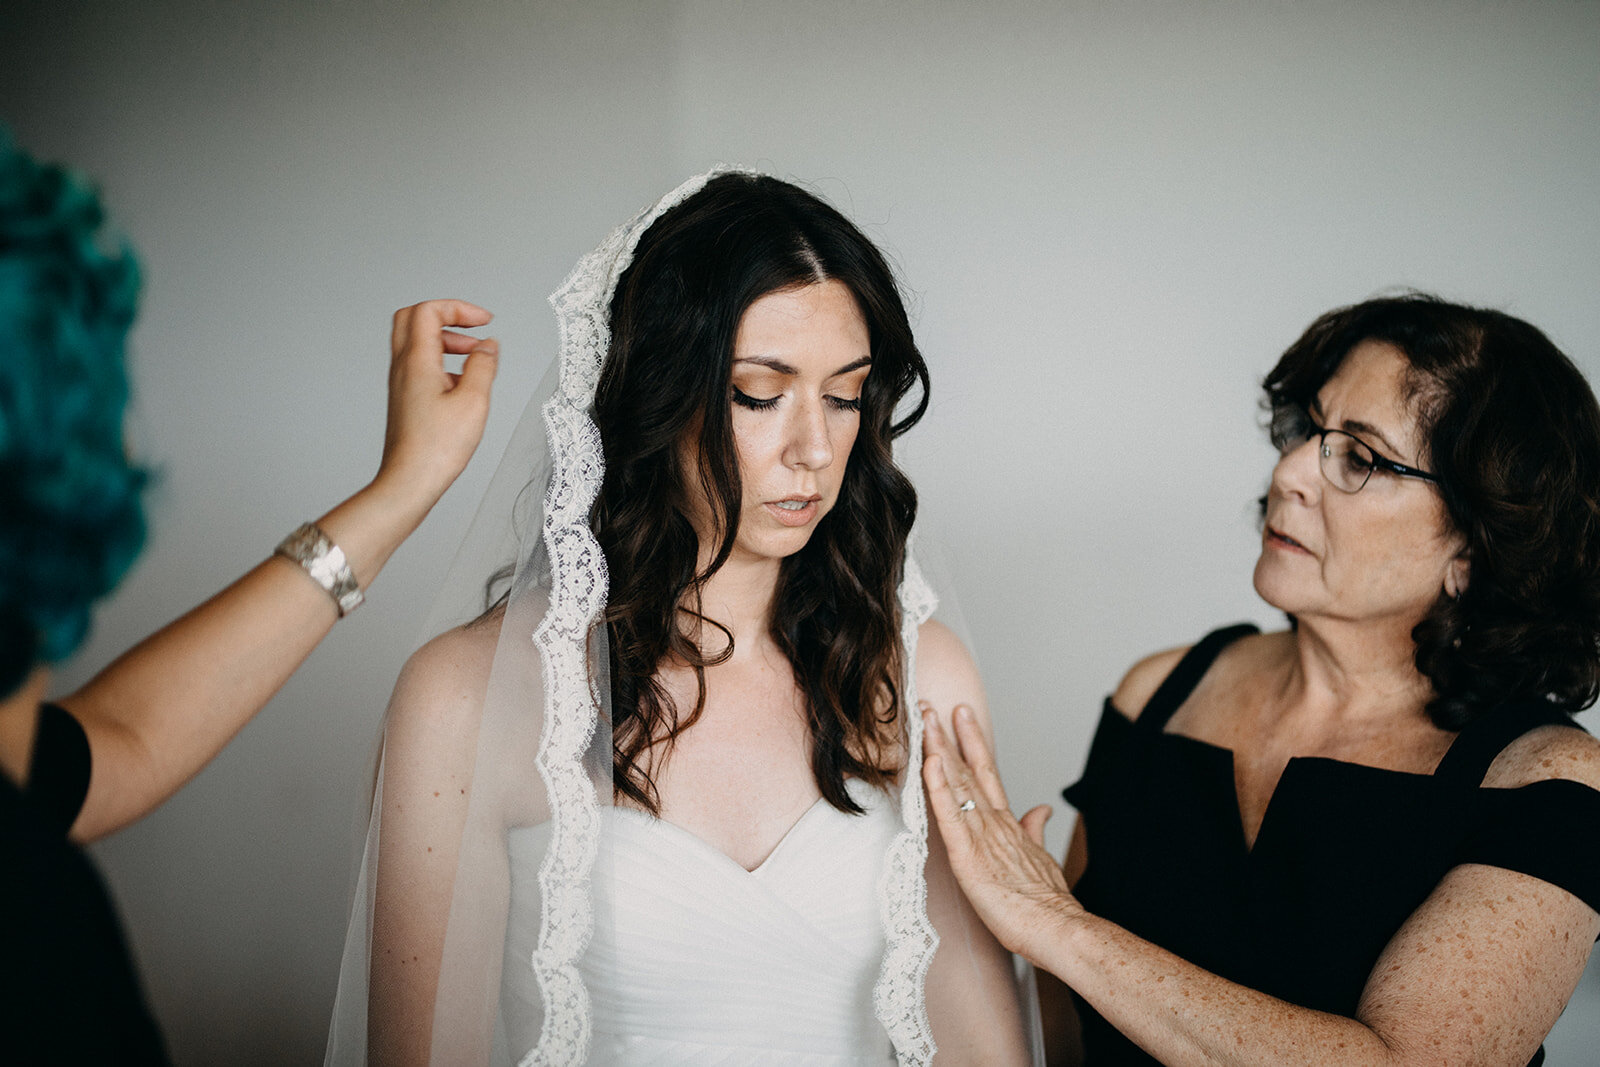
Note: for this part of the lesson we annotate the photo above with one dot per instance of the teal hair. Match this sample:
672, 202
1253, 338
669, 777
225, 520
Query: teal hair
71, 521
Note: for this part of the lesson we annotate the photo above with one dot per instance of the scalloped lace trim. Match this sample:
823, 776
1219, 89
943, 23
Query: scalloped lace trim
903, 893
577, 595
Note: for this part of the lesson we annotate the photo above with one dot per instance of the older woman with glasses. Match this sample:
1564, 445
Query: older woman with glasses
1369, 838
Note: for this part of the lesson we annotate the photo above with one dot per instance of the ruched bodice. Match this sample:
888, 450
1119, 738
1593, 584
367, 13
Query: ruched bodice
696, 960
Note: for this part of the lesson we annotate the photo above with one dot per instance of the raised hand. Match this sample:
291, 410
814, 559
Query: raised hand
435, 418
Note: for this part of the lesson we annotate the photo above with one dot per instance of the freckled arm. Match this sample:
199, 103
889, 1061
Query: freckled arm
1478, 974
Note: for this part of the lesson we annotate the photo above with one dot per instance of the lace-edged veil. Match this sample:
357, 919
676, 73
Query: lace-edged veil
497, 763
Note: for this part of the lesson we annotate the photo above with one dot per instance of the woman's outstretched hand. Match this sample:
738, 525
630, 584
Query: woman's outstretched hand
435, 418
1014, 884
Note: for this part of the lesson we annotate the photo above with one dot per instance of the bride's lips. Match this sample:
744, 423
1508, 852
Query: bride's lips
793, 510
1278, 539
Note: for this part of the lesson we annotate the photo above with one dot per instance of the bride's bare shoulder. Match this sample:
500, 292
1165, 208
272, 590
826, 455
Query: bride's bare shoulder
445, 703
947, 675
435, 719
942, 657
443, 683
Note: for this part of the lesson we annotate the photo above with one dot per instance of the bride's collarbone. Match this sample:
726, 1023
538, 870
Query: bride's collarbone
740, 776
740, 804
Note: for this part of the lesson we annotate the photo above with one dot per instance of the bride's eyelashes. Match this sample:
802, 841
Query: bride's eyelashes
754, 403
766, 403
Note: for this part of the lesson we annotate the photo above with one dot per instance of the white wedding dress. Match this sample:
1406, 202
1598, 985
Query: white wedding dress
695, 960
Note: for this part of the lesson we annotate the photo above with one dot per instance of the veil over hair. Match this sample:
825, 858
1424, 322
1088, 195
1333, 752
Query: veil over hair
497, 765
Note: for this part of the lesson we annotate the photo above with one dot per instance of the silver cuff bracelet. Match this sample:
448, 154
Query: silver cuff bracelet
324, 561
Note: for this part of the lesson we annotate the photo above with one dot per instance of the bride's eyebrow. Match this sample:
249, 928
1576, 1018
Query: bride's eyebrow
773, 363
770, 362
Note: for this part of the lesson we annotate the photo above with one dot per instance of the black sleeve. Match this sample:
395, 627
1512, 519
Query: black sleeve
1548, 829
70, 992
58, 776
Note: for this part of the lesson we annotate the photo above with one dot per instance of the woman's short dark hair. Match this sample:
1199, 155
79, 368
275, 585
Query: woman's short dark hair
1512, 431
70, 514
674, 317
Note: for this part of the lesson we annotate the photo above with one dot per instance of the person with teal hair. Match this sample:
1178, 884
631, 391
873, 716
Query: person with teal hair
88, 763
72, 516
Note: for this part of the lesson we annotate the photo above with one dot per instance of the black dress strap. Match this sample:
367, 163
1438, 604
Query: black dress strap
1177, 686
1481, 740
58, 774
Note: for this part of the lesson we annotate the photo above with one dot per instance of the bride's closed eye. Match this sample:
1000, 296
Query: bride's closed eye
766, 403
754, 403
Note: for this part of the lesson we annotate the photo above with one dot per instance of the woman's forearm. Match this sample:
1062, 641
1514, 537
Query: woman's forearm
163, 709
1187, 1017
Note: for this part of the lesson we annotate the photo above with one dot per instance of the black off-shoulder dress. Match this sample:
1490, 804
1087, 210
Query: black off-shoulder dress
1344, 853
68, 990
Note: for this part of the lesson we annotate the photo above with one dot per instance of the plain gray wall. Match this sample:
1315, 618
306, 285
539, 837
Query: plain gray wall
1110, 217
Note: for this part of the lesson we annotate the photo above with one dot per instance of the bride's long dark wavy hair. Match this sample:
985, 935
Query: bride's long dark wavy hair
674, 317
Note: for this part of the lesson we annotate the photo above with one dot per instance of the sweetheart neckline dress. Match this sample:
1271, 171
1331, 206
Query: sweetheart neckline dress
696, 960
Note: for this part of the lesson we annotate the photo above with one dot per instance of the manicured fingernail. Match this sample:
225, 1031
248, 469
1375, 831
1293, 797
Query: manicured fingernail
963, 713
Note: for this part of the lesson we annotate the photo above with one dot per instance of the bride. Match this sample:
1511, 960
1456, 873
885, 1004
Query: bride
659, 803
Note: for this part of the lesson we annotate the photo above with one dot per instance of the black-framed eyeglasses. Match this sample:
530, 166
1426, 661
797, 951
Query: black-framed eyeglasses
1346, 460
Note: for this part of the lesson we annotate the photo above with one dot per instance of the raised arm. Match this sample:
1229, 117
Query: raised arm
1478, 974
163, 709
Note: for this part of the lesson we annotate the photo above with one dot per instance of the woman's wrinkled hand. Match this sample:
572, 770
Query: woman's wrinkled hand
1014, 884
435, 418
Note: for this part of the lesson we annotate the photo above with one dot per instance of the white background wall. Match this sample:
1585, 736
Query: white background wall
1111, 218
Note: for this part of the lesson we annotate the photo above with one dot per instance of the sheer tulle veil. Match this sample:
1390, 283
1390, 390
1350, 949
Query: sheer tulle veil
496, 768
